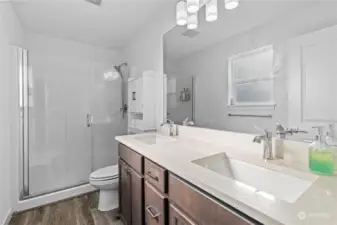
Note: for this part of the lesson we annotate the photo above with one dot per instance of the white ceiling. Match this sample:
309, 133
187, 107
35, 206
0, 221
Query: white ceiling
112, 24
250, 13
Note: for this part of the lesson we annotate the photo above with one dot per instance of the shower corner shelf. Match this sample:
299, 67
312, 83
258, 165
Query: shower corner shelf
141, 104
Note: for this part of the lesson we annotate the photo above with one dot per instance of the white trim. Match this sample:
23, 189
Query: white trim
8, 217
53, 197
252, 52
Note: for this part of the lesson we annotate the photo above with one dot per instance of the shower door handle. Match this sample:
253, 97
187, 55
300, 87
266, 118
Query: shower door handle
90, 120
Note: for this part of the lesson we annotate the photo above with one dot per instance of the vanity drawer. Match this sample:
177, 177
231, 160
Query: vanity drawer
155, 175
200, 207
155, 206
132, 158
178, 218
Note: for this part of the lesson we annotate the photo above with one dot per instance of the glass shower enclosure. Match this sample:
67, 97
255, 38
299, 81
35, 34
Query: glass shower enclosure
69, 115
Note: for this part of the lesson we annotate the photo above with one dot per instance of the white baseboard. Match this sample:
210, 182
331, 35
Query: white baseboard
8, 217
53, 197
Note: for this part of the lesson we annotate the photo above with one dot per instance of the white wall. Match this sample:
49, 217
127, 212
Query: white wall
10, 34
211, 101
145, 52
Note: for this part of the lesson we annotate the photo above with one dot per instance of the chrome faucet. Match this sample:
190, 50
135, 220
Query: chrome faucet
331, 132
265, 141
173, 128
188, 123
282, 132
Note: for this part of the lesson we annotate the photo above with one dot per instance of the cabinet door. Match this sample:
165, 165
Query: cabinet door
312, 98
155, 175
200, 207
155, 205
137, 198
130, 157
179, 218
125, 192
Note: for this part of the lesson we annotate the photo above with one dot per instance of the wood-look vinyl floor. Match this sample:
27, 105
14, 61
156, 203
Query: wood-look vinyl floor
77, 211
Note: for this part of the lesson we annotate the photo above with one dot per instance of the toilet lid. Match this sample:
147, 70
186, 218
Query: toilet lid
105, 173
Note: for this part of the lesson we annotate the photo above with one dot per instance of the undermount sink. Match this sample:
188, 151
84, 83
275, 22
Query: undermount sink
267, 183
152, 139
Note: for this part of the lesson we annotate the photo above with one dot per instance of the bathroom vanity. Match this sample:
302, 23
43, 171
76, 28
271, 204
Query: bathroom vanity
151, 193
207, 177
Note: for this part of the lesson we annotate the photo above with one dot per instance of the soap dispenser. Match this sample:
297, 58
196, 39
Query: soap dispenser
321, 157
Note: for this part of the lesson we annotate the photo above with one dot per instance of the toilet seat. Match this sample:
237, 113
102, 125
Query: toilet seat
106, 173
104, 184
104, 179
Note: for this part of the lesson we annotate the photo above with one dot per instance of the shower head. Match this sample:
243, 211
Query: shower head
118, 68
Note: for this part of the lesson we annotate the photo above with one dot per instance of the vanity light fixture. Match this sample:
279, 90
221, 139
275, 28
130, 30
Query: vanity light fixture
192, 6
192, 21
212, 10
231, 4
181, 13
187, 11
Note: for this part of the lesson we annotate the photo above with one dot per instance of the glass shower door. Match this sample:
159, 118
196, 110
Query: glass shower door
56, 101
70, 114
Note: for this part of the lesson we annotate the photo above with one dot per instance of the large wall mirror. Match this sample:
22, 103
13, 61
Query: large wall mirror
263, 63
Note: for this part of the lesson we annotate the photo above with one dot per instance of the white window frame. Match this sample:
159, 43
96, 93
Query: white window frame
235, 58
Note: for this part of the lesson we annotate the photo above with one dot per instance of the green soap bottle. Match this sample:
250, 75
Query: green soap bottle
332, 141
321, 156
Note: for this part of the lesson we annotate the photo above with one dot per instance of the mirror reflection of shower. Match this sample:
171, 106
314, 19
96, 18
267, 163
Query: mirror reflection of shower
122, 72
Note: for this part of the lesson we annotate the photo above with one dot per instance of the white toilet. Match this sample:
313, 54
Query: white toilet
106, 180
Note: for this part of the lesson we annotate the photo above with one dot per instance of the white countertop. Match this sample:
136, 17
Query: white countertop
317, 206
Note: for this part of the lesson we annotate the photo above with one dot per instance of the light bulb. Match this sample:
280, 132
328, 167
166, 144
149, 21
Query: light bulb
192, 21
231, 4
181, 13
212, 10
192, 6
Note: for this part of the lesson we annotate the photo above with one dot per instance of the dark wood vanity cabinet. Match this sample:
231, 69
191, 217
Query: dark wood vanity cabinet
201, 207
125, 192
151, 195
131, 187
177, 217
155, 175
155, 206
137, 199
